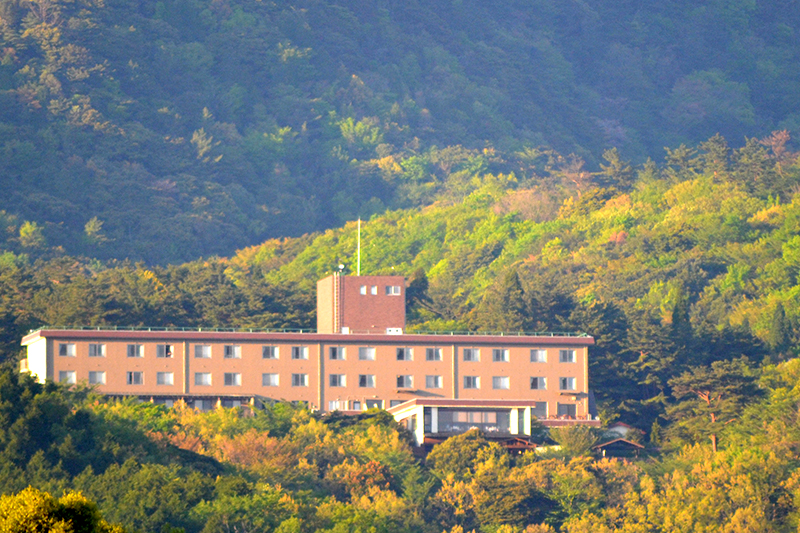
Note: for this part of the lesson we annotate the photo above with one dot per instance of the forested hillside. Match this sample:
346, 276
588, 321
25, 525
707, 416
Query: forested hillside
286, 470
671, 268
170, 130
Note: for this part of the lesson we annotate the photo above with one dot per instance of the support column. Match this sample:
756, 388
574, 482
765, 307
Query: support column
454, 364
186, 367
434, 420
321, 378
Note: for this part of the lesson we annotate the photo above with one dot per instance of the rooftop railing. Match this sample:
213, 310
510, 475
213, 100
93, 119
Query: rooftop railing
312, 330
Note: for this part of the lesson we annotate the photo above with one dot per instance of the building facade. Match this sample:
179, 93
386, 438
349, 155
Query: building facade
358, 360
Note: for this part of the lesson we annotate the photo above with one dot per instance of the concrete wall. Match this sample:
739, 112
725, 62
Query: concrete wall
318, 366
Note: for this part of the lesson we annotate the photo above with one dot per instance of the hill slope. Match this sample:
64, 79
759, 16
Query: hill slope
163, 131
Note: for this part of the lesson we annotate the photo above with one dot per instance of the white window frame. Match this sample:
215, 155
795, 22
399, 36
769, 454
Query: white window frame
538, 383
202, 379
567, 356
405, 354
300, 353
366, 381
97, 350
232, 351
433, 382
373, 290
66, 349
471, 355
337, 405
202, 351
337, 380
405, 381
366, 353
336, 353
538, 355
97, 377
363, 289
67, 376
472, 382
393, 290
501, 382
567, 384
433, 354
270, 352
232, 379
299, 380
165, 350
500, 355
135, 350
271, 380
134, 377
165, 378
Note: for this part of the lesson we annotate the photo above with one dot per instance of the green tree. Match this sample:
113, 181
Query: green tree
33, 511
709, 398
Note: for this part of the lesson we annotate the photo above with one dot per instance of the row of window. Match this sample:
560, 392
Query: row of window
391, 290
234, 351
234, 379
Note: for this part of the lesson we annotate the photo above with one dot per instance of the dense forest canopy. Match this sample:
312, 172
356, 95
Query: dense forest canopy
164, 131
200, 163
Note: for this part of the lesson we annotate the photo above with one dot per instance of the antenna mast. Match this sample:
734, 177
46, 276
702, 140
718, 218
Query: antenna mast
358, 262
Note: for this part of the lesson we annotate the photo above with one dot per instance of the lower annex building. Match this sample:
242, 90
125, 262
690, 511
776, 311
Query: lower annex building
359, 358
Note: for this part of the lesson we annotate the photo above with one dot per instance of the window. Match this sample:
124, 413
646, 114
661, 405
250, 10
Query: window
135, 350
163, 350
366, 354
66, 350
374, 404
392, 290
539, 410
66, 376
538, 384
336, 353
134, 378
337, 380
97, 377
202, 379
366, 380
472, 382
433, 354
405, 354
433, 382
566, 356
566, 383
405, 382
472, 354
538, 356
232, 351
270, 380
97, 350
500, 356
269, 352
500, 382
165, 378
356, 406
394, 403
202, 351
567, 410
232, 379
299, 352
299, 380
363, 289
373, 290
337, 405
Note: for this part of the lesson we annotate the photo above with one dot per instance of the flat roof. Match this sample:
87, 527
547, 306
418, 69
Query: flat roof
307, 336
449, 402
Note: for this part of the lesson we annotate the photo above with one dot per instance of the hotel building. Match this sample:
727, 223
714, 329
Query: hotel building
360, 357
